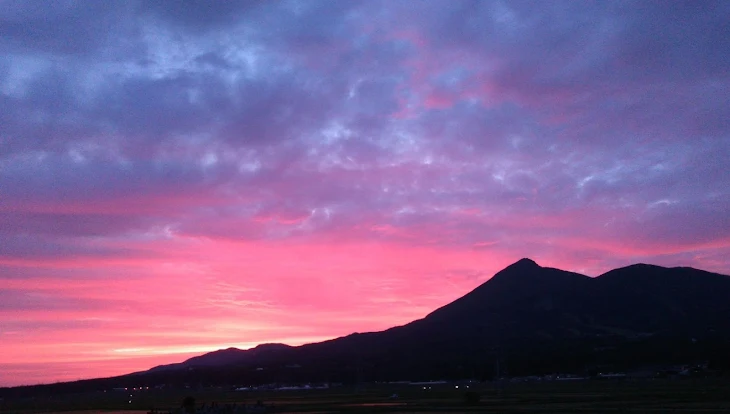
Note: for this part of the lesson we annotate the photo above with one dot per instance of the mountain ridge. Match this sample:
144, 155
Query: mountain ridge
529, 318
525, 298
527, 269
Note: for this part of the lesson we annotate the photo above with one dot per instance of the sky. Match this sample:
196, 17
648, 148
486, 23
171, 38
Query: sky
179, 177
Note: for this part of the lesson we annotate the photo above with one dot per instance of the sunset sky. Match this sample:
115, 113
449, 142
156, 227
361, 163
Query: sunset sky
178, 177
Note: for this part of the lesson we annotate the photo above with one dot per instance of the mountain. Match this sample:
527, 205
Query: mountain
526, 319
532, 319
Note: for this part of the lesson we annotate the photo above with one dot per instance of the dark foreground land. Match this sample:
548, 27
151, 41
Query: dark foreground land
590, 396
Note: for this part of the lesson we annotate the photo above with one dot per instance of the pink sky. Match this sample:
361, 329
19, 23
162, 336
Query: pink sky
178, 177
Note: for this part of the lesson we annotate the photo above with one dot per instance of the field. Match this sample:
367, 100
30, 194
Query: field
657, 396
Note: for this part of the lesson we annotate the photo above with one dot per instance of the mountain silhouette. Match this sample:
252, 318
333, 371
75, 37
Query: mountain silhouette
534, 319
526, 319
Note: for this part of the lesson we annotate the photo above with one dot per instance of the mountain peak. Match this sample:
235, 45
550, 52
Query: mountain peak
524, 262
522, 268
526, 273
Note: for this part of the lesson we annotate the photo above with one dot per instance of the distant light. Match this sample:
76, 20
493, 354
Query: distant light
456, 386
130, 401
424, 388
